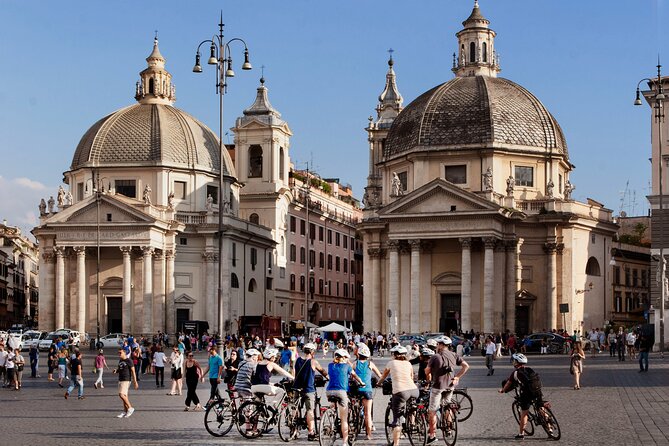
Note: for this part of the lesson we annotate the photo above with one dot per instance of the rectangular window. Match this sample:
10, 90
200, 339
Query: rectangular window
337, 239
303, 227
352, 244
628, 280
618, 303
456, 174
321, 260
320, 233
293, 253
126, 187
180, 190
524, 176
403, 179
292, 282
560, 183
635, 277
616, 275
346, 290
282, 272
213, 191
254, 258
303, 256
330, 262
330, 236
643, 278
337, 264
293, 224
268, 285
312, 231
183, 241
234, 254
345, 242
312, 258
80, 191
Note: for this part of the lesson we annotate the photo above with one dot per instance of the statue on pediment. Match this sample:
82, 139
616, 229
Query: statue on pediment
42, 207
568, 189
147, 194
69, 199
487, 180
510, 185
549, 189
60, 197
51, 203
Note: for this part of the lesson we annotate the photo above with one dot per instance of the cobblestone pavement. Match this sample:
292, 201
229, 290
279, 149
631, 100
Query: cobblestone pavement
616, 405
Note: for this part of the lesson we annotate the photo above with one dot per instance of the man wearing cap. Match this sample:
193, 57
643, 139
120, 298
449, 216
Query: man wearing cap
246, 370
439, 370
304, 372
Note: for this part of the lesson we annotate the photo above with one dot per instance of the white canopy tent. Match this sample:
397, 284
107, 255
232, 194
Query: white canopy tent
333, 327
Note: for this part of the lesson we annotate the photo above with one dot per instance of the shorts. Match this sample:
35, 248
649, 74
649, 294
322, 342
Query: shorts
309, 401
341, 395
176, 373
525, 401
398, 401
366, 394
123, 387
265, 389
436, 396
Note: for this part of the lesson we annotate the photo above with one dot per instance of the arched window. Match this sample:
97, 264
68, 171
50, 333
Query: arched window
152, 87
592, 267
485, 52
292, 282
472, 52
293, 253
282, 171
255, 219
255, 161
234, 281
302, 283
252, 285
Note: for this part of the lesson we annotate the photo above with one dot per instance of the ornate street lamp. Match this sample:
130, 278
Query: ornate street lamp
656, 97
220, 56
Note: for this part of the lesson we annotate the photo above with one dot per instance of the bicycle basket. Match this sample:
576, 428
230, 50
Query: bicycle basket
387, 387
319, 381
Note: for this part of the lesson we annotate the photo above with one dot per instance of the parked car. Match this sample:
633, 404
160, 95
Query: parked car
33, 337
554, 342
410, 339
50, 338
112, 340
64, 334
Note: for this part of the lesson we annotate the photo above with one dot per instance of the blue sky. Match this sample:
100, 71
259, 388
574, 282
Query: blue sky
67, 64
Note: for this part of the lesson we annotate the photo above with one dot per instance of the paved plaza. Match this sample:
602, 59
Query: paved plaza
616, 405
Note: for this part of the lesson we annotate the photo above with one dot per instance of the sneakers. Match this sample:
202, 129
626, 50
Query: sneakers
101, 386
121, 415
312, 437
81, 397
519, 437
186, 409
66, 395
130, 412
95, 386
431, 440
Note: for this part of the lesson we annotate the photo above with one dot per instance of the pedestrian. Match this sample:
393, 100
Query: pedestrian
3, 365
594, 342
193, 375
159, 366
612, 343
10, 364
630, 340
489, 355
33, 355
645, 345
401, 374
62, 366
231, 368
20, 363
177, 362
576, 364
126, 374
304, 372
77, 379
621, 341
215, 370
52, 360
100, 364
136, 357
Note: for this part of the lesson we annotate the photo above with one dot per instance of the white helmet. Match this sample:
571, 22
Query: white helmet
252, 352
363, 350
432, 342
278, 343
309, 346
520, 358
342, 353
444, 340
426, 352
270, 353
399, 349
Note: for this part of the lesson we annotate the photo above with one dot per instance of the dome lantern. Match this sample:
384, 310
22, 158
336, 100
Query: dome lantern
155, 84
476, 47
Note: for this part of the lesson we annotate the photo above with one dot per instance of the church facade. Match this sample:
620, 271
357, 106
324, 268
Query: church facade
469, 221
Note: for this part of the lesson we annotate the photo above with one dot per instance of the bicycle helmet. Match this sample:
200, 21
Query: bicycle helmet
520, 358
252, 352
270, 353
278, 343
363, 350
432, 342
399, 350
342, 353
444, 340
309, 347
426, 352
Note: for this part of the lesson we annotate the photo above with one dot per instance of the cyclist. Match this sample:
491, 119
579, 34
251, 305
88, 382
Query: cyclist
440, 370
364, 367
422, 360
401, 373
304, 372
340, 372
530, 388
260, 379
247, 368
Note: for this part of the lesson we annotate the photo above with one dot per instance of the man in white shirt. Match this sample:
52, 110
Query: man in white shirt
490, 350
594, 342
3, 363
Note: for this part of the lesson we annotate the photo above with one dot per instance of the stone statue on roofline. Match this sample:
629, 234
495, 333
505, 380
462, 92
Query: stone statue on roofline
510, 185
568, 189
60, 197
487, 180
42, 207
147, 194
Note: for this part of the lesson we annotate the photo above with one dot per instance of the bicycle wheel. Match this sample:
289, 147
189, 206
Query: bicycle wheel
449, 427
287, 422
465, 405
354, 423
529, 426
328, 428
253, 419
416, 428
388, 420
549, 423
218, 419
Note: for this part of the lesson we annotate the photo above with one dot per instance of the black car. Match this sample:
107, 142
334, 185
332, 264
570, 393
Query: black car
554, 342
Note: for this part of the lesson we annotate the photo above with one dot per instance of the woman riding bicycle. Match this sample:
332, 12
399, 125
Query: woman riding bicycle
529, 386
401, 373
264, 369
340, 372
364, 368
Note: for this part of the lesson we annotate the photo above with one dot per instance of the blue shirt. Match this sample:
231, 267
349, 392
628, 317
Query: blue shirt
339, 375
304, 375
214, 363
364, 372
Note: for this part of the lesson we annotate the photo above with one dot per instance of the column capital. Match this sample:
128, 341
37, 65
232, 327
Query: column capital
80, 250
415, 244
169, 254
147, 251
210, 256
48, 257
466, 242
393, 245
376, 253
125, 249
489, 242
559, 247
550, 248
159, 255
59, 251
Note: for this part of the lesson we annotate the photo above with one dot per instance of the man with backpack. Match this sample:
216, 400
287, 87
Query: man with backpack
439, 370
529, 384
304, 371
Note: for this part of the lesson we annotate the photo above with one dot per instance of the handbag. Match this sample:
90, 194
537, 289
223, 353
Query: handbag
19, 367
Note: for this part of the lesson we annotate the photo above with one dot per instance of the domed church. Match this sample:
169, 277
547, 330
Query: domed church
137, 228
469, 221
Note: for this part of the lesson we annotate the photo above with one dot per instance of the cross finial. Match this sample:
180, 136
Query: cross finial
391, 51
156, 35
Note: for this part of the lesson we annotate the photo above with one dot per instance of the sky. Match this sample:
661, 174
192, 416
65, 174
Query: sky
67, 64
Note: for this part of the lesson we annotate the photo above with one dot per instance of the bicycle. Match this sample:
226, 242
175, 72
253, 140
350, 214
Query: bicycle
221, 415
259, 415
330, 424
293, 416
414, 420
539, 414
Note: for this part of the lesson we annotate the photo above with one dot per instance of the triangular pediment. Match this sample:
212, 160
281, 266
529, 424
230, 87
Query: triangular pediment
184, 299
439, 197
252, 123
86, 212
525, 296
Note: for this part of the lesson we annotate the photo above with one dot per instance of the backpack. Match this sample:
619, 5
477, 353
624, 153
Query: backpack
530, 382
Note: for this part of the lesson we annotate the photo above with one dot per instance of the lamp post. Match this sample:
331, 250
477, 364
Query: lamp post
220, 56
657, 97
98, 188
310, 272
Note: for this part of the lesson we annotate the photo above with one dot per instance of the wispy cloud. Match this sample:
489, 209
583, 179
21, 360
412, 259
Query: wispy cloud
20, 200
31, 184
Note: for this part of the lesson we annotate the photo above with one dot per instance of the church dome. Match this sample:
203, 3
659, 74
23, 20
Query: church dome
475, 112
152, 132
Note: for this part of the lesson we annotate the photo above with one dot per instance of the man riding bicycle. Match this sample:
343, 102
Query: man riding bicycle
304, 372
529, 385
439, 370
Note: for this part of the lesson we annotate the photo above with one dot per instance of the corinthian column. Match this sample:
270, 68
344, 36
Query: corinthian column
551, 284
81, 288
209, 259
512, 249
159, 303
415, 285
393, 283
488, 284
375, 304
47, 301
170, 317
147, 302
466, 285
127, 290
60, 286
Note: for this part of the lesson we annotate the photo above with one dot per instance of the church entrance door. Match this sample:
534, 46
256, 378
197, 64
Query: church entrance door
114, 314
450, 312
522, 320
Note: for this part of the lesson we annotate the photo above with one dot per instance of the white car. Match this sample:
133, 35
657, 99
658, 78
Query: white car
33, 337
112, 340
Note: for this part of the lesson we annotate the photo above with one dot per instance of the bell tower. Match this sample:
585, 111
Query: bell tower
476, 47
